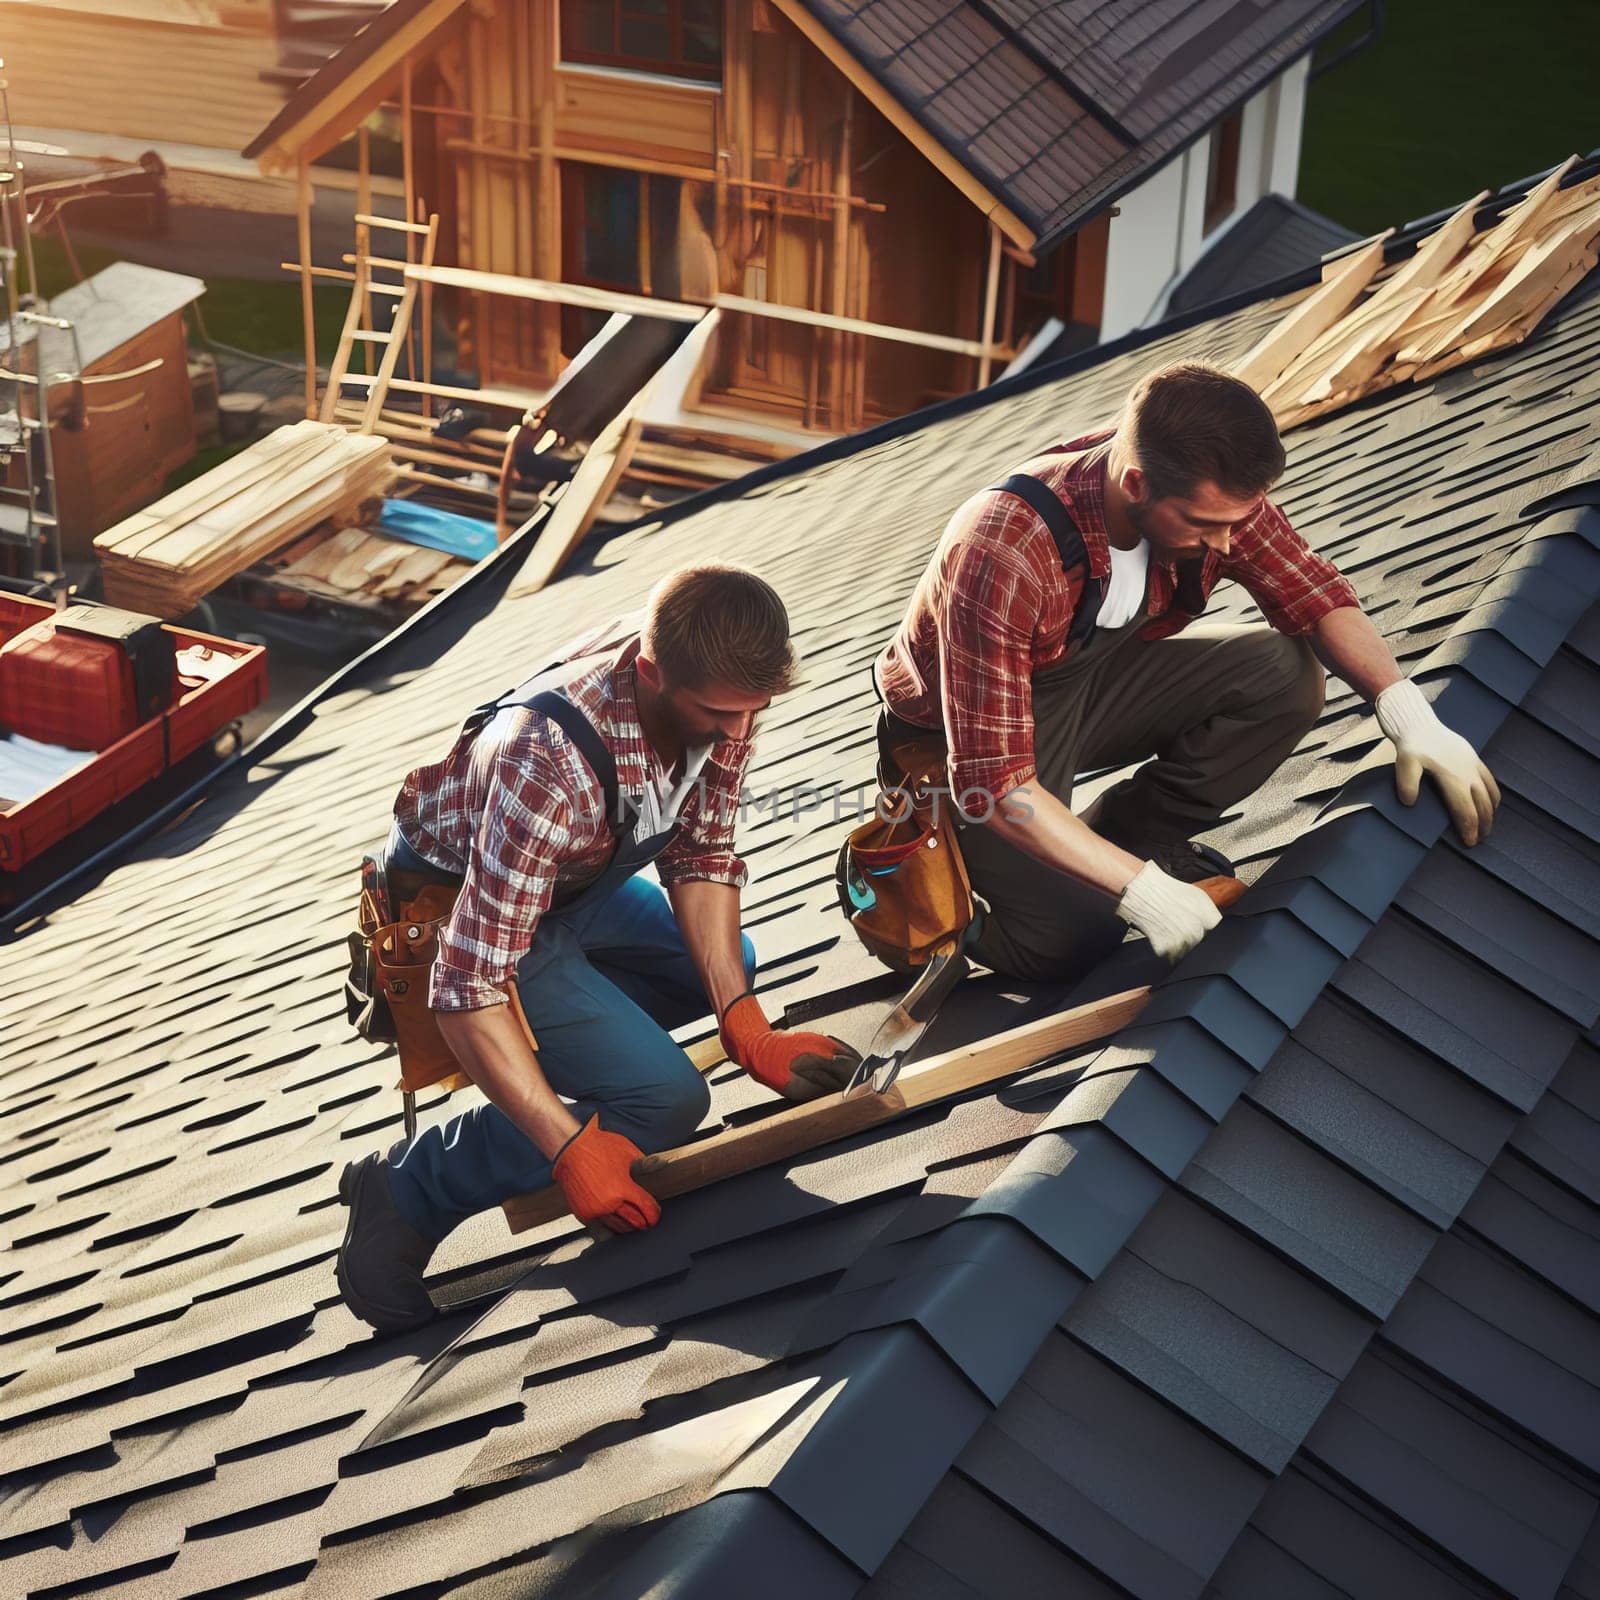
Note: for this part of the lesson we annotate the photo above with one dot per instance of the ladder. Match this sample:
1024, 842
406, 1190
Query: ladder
28, 504
360, 323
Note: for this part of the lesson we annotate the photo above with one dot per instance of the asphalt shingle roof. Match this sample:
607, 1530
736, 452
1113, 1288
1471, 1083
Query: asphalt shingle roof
1060, 108
1289, 1289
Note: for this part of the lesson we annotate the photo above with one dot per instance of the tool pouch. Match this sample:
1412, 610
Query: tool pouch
391, 959
901, 878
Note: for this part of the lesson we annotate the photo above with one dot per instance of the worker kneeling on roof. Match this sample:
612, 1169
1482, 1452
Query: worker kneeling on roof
558, 971
1054, 633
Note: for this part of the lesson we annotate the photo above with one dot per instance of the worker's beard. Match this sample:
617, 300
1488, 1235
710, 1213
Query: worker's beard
1143, 524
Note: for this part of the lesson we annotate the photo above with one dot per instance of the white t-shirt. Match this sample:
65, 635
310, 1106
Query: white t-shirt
663, 799
1124, 597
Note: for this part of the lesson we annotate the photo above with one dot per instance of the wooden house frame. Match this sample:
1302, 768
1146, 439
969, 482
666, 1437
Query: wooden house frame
860, 268
867, 259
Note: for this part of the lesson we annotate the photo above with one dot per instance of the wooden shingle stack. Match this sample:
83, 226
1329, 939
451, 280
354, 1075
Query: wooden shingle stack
1466, 293
167, 557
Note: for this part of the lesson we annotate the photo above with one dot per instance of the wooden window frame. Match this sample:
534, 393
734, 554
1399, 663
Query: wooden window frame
1222, 170
674, 67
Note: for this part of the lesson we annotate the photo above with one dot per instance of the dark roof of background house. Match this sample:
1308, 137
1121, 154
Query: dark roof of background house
1290, 1290
1276, 238
1060, 108
1056, 109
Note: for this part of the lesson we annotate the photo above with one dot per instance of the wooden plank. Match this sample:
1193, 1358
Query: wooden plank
599, 473
1542, 278
581, 501
1342, 284
794, 1131
1400, 298
876, 330
991, 295
308, 312
566, 294
1542, 263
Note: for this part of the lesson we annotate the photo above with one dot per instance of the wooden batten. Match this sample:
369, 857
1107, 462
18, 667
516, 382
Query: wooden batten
1343, 282
794, 1131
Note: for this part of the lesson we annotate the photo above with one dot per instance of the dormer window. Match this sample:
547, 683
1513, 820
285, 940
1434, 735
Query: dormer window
671, 38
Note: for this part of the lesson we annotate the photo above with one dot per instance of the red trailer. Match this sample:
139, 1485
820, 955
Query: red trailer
218, 681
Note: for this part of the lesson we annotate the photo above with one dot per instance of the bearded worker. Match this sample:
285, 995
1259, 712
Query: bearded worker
1053, 633
542, 815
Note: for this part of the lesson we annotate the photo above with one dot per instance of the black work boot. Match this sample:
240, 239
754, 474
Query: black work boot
1189, 861
381, 1260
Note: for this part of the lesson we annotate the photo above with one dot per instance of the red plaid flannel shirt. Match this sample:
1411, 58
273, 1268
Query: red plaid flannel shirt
519, 812
993, 607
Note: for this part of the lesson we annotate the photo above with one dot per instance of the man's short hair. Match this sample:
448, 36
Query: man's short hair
710, 624
1190, 423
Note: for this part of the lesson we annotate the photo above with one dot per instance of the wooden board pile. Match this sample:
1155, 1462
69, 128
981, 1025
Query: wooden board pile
1465, 294
166, 558
365, 568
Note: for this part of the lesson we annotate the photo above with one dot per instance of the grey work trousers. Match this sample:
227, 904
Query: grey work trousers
1218, 706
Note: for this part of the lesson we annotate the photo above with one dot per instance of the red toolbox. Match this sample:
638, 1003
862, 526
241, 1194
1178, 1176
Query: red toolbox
219, 681
85, 677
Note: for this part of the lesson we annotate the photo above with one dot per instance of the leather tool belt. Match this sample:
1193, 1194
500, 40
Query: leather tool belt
391, 959
901, 878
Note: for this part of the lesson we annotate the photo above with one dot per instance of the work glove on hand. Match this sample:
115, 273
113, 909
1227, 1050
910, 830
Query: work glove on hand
1174, 916
799, 1066
594, 1168
1422, 743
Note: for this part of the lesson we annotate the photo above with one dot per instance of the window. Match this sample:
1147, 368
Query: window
679, 38
1222, 174
620, 231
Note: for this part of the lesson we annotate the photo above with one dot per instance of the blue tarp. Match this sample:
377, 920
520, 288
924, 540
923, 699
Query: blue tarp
467, 537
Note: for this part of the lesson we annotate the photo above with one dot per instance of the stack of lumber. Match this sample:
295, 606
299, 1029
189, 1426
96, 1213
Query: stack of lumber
168, 556
365, 568
1466, 293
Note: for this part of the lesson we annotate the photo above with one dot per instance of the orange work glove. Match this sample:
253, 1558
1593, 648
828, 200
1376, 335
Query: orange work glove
594, 1168
799, 1066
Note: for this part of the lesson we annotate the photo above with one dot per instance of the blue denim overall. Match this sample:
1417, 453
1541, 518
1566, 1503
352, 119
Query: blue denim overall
605, 977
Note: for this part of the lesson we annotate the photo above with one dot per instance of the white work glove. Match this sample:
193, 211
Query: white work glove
1422, 743
1174, 916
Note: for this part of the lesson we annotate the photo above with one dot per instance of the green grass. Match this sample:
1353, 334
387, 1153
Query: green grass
263, 318
1455, 96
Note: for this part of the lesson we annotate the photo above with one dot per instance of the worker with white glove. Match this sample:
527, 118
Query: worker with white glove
1057, 630
1423, 744
1174, 916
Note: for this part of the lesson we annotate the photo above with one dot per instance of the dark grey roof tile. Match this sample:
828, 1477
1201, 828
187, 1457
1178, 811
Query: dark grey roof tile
1492, 1331
1550, 772
1222, 1329
1509, 933
1435, 1464
1535, 854
1458, 1010
1351, 1545
1094, 1462
1186, 1056
1362, 1131
1541, 1225
1274, 958
1223, 1009
1140, 1107
1080, 1191
1299, 1202
982, 1290
965, 1545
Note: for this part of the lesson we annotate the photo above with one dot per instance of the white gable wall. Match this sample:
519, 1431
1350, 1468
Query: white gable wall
1157, 235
